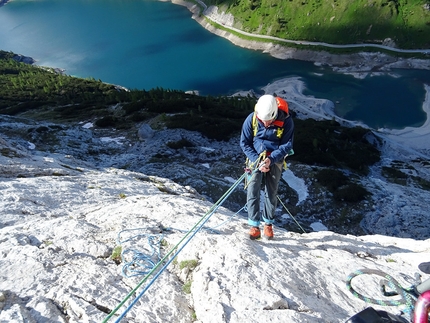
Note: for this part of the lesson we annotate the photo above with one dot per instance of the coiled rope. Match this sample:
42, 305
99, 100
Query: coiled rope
407, 296
140, 263
172, 254
137, 262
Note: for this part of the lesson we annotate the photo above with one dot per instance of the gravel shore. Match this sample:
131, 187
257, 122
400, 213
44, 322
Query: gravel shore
348, 63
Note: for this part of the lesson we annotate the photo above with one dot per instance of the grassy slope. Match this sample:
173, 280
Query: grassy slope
407, 22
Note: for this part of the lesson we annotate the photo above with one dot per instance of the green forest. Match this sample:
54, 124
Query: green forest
42, 93
406, 22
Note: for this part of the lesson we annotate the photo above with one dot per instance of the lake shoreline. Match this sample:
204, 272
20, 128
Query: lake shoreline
415, 138
359, 65
362, 62
358, 69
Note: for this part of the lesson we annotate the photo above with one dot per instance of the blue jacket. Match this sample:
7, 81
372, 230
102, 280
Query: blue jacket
266, 139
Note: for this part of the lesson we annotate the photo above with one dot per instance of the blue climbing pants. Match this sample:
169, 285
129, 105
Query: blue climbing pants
271, 183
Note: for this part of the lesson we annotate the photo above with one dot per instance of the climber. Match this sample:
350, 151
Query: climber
266, 139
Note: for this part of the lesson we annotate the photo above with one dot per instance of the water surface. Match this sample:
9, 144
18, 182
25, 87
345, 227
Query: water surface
143, 44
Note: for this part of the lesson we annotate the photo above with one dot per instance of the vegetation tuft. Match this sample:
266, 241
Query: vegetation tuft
187, 287
116, 255
190, 264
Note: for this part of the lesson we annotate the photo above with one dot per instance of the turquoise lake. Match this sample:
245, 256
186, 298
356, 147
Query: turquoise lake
143, 44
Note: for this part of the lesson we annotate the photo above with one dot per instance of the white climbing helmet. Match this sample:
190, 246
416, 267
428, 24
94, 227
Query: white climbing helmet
266, 108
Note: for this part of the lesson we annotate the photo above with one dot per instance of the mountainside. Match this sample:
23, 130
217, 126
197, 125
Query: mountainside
94, 176
404, 23
350, 178
83, 182
65, 223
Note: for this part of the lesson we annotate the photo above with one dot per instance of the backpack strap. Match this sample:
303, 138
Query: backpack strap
254, 123
278, 123
282, 104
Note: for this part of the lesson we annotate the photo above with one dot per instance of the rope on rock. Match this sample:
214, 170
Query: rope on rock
170, 256
290, 214
137, 262
213, 229
140, 263
407, 295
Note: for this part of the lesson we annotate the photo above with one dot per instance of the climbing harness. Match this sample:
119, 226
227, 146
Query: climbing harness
407, 296
252, 167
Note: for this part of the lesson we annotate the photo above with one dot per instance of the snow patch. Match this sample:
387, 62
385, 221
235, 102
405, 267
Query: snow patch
318, 226
296, 184
31, 145
109, 139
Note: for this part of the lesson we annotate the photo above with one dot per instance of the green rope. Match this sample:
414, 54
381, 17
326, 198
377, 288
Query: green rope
406, 295
290, 214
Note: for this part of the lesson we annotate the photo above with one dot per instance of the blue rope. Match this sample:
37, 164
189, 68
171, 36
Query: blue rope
213, 229
140, 263
190, 234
